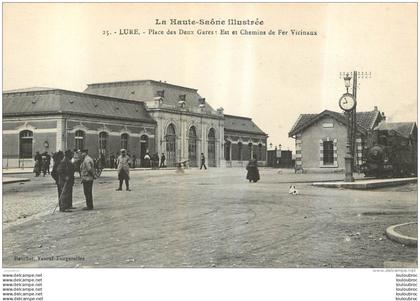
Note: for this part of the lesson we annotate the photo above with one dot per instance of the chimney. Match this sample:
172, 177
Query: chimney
375, 108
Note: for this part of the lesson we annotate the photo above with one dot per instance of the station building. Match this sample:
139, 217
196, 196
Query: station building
140, 116
321, 139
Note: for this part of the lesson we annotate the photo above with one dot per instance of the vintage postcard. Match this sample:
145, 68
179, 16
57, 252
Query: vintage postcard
209, 135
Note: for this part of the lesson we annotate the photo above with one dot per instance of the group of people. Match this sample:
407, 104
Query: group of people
42, 163
64, 168
63, 173
153, 160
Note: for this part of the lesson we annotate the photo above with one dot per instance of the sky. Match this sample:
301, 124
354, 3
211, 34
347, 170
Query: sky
270, 78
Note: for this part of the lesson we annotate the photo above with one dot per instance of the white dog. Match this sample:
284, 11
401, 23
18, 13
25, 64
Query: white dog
293, 190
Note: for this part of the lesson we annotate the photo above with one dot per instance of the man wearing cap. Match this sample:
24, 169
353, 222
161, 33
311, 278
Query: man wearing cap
87, 172
123, 165
65, 172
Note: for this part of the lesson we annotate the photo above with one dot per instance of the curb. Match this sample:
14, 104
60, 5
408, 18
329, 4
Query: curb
366, 184
15, 180
403, 239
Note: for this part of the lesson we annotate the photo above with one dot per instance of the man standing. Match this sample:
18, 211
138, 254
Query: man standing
66, 180
123, 163
203, 161
87, 170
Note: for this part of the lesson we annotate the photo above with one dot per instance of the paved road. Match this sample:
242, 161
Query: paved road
212, 218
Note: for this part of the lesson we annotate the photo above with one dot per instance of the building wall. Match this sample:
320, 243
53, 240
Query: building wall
44, 138
114, 129
60, 131
309, 144
182, 124
235, 138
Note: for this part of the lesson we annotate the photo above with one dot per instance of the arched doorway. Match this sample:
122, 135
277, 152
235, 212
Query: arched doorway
192, 147
227, 150
211, 149
170, 138
25, 144
144, 144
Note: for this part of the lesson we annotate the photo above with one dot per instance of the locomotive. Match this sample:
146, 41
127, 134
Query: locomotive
390, 151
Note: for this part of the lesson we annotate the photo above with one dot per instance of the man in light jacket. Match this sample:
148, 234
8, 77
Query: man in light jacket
123, 163
87, 172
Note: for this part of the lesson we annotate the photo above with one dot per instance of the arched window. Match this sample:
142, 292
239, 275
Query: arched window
103, 143
124, 141
250, 151
192, 146
211, 150
25, 144
79, 140
240, 151
170, 138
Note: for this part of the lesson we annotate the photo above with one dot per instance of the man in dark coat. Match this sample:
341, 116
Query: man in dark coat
203, 161
57, 157
66, 180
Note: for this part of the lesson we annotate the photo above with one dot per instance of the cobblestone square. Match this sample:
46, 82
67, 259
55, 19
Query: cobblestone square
212, 218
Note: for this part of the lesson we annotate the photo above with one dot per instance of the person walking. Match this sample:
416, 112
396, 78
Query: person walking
162, 160
87, 170
253, 174
123, 163
66, 180
203, 161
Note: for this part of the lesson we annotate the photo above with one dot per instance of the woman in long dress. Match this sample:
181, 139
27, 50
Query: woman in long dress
253, 174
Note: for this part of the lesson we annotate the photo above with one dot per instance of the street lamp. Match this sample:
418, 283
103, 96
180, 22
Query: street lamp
347, 79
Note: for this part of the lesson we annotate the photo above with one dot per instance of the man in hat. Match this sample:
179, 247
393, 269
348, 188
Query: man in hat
66, 180
123, 167
87, 171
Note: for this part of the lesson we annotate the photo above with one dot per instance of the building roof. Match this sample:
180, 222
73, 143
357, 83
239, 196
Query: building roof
405, 129
241, 124
147, 90
57, 101
365, 120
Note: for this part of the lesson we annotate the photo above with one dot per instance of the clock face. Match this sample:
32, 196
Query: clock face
347, 102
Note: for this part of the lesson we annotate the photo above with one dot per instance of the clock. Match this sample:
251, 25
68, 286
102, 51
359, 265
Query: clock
347, 102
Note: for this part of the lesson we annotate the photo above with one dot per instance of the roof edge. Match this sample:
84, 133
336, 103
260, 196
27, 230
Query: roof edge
140, 81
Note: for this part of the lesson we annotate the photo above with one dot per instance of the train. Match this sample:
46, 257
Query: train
390, 152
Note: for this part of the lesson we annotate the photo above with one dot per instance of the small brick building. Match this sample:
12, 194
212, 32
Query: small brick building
321, 139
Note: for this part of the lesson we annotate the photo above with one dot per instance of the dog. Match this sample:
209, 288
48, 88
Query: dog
293, 190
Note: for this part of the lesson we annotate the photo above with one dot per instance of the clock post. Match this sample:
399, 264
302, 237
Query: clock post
348, 103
